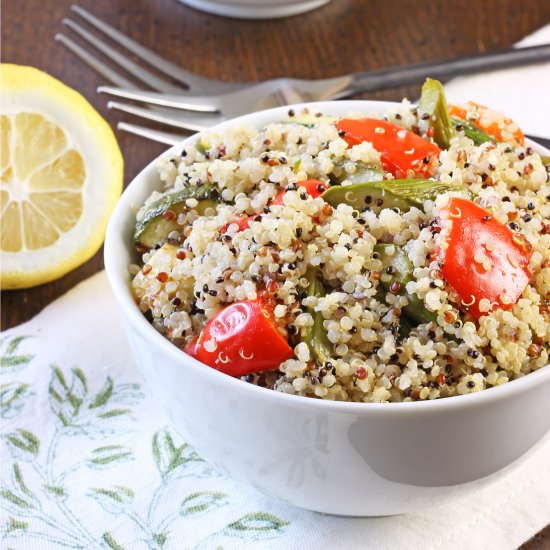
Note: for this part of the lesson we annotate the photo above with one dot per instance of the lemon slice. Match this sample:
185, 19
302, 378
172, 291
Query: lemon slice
61, 173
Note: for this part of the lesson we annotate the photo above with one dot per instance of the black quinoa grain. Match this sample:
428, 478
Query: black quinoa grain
205, 288
379, 202
513, 226
506, 199
303, 195
249, 378
389, 269
353, 330
299, 232
526, 218
213, 292
521, 156
470, 384
530, 206
292, 329
176, 301
341, 133
375, 349
291, 112
368, 199
426, 160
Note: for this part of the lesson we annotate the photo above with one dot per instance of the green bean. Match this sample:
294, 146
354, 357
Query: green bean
397, 265
471, 131
316, 335
433, 103
377, 195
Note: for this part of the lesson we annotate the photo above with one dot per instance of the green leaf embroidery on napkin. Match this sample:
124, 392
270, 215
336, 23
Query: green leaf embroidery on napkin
23, 444
41, 495
114, 500
168, 456
111, 542
103, 396
13, 397
8, 357
15, 524
258, 522
199, 502
107, 455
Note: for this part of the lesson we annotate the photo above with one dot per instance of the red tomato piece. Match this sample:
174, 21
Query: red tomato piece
401, 151
483, 257
241, 339
314, 188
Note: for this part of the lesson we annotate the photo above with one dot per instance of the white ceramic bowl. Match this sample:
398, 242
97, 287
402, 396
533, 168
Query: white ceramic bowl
255, 9
342, 458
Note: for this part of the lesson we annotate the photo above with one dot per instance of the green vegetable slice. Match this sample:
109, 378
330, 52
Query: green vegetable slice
433, 103
471, 131
362, 173
153, 228
316, 335
377, 195
395, 257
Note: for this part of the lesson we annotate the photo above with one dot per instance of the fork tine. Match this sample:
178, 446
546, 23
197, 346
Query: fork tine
148, 133
199, 83
140, 73
190, 121
93, 62
208, 104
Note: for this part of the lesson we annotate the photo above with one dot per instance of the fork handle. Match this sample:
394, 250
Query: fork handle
415, 74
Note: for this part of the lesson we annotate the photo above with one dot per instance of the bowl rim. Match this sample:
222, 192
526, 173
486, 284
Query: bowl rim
120, 286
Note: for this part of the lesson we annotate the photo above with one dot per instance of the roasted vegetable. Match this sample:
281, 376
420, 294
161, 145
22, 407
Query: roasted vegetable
159, 219
316, 335
362, 173
377, 195
402, 153
471, 131
397, 272
433, 104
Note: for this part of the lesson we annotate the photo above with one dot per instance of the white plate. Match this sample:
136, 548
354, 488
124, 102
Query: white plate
255, 9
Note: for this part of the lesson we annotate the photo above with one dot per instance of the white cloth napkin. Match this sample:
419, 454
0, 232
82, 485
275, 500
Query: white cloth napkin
523, 93
88, 460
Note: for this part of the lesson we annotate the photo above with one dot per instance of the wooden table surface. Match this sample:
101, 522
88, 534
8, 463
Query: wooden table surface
344, 36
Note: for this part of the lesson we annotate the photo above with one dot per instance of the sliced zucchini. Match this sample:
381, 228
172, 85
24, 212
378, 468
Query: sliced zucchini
153, 227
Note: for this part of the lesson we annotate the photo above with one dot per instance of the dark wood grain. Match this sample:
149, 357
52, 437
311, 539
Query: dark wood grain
344, 36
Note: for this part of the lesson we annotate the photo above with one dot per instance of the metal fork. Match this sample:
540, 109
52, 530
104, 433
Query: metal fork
201, 111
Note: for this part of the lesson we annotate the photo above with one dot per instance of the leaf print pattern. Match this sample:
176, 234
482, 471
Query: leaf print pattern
89, 432
13, 397
8, 358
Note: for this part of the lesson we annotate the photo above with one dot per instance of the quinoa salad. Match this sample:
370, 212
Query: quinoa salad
376, 257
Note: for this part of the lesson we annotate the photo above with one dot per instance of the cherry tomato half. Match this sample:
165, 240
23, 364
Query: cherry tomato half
240, 339
483, 258
401, 151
